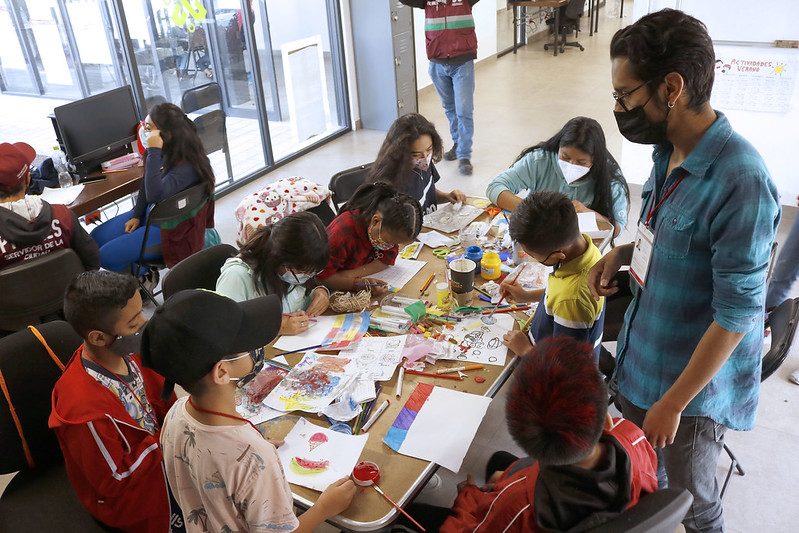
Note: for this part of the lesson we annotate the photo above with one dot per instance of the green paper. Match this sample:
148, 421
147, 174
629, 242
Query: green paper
416, 310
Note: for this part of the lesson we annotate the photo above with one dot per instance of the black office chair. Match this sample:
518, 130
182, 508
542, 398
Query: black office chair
344, 183
40, 496
170, 209
198, 271
569, 18
33, 290
211, 125
659, 512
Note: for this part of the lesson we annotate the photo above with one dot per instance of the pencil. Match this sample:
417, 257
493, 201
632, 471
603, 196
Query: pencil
276, 364
427, 283
458, 369
508, 309
371, 284
432, 375
291, 315
526, 325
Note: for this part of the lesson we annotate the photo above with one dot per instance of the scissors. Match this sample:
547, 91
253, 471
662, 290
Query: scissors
441, 253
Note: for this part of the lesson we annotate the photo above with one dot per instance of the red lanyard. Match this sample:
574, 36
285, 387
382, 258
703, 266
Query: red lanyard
223, 414
668, 193
132, 392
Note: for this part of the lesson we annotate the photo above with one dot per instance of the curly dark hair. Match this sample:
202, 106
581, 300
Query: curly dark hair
545, 221
181, 142
558, 401
669, 41
586, 135
393, 164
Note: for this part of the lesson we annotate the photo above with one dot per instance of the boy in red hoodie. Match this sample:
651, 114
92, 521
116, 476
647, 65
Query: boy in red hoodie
107, 413
588, 468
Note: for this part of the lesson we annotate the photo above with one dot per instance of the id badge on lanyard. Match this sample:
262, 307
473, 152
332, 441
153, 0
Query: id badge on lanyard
645, 241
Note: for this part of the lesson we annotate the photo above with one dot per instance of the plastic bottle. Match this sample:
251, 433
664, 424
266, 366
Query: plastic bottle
60, 163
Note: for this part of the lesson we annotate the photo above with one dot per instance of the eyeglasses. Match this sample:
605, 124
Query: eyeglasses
620, 97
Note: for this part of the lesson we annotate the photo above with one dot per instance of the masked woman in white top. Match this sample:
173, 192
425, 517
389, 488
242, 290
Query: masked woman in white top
576, 162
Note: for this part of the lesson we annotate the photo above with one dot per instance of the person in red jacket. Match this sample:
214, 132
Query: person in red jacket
589, 467
107, 412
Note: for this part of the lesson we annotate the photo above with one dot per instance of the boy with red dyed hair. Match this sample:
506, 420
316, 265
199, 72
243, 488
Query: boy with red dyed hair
589, 467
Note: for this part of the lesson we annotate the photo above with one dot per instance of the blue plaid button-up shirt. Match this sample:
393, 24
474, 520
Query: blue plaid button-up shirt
713, 237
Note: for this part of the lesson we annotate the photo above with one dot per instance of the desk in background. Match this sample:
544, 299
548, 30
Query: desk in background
402, 477
517, 6
97, 194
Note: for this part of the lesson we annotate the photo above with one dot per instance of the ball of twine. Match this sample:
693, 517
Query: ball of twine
350, 302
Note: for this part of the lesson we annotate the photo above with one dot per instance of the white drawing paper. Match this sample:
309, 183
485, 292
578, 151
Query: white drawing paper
483, 342
400, 273
447, 219
434, 239
377, 357
315, 457
313, 383
310, 337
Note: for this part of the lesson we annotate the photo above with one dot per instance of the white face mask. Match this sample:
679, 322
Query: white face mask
572, 173
423, 163
144, 135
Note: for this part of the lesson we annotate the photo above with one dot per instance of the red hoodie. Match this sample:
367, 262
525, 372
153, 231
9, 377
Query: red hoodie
509, 507
115, 466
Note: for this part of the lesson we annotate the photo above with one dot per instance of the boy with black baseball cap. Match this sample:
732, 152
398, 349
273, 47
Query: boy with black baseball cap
223, 472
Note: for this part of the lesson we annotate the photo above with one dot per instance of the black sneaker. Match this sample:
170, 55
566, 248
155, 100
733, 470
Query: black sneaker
451, 154
465, 167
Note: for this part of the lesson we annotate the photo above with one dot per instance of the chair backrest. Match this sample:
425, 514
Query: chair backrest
198, 271
33, 289
573, 10
30, 374
200, 97
344, 183
212, 130
782, 321
658, 512
179, 205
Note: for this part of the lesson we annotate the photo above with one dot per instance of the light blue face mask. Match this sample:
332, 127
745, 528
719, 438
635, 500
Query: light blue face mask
295, 279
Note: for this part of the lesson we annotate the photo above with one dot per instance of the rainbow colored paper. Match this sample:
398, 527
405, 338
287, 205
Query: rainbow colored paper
346, 329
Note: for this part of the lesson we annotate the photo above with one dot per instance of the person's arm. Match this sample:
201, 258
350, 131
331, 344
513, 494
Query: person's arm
344, 280
415, 3
503, 189
84, 245
713, 350
601, 274
452, 197
179, 178
582, 208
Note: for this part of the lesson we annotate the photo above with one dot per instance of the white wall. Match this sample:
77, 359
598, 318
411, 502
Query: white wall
485, 22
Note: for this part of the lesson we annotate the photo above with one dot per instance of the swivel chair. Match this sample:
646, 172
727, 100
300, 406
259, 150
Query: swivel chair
569, 22
211, 124
198, 271
344, 183
658, 512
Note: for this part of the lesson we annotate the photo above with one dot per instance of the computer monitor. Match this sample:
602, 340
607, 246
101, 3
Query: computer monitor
97, 128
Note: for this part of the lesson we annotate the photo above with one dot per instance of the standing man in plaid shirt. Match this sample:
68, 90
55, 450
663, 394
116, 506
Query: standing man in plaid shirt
689, 355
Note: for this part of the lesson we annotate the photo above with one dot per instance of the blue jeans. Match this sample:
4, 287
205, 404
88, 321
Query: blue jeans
118, 250
690, 462
455, 87
786, 268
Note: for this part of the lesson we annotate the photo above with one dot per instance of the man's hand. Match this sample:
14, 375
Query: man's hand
601, 274
660, 423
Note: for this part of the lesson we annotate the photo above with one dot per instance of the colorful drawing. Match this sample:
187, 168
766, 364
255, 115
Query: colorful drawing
313, 383
479, 342
429, 428
347, 329
249, 399
377, 357
317, 439
333, 455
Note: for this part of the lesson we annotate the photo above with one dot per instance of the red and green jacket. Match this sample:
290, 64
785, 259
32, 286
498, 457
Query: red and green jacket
449, 29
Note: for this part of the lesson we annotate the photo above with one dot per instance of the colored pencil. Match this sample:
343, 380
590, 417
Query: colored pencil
414, 372
278, 365
503, 296
458, 369
371, 284
526, 325
309, 319
427, 283
508, 309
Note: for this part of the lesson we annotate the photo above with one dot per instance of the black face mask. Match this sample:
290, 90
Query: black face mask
126, 344
635, 127
257, 357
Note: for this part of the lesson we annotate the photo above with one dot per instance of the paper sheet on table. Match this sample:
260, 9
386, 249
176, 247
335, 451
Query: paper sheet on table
411, 251
587, 222
62, 196
249, 399
377, 357
483, 342
313, 383
310, 337
400, 273
315, 457
437, 424
449, 220
434, 239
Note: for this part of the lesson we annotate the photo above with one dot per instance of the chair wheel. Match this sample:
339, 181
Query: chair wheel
582, 49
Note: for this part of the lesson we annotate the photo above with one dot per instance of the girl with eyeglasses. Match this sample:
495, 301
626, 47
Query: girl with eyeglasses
282, 259
365, 237
576, 162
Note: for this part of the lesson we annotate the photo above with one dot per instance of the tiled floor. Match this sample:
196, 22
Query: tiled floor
520, 100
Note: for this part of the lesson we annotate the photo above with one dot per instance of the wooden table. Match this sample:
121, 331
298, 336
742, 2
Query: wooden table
97, 194
517, 6
402, 477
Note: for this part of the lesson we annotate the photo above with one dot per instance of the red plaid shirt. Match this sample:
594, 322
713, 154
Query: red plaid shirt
350, 246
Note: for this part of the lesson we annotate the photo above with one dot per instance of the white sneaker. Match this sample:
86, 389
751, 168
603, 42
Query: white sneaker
794, 378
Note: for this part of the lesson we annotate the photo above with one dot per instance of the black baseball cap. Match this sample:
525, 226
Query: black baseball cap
196, 328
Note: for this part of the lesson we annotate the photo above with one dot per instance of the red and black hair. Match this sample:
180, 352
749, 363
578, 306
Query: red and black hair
558, 402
